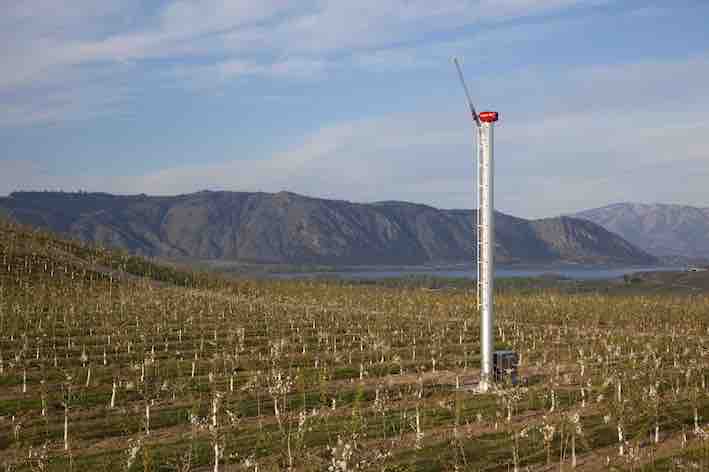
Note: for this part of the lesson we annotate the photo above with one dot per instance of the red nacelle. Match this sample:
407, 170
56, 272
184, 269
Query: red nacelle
488, 116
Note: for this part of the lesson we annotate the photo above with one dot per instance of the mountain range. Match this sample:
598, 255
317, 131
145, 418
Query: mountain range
286, 228
662, 230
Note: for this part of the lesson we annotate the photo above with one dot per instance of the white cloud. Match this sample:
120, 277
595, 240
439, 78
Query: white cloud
583, 132
205, 77
618, 150
365, 24
53, 43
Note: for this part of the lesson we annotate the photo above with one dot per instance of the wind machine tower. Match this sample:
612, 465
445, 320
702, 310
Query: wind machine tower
493, 365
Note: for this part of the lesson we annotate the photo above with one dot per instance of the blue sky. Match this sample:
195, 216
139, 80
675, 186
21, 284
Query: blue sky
601, 101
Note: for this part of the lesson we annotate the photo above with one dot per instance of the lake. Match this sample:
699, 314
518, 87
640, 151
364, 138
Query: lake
577, 273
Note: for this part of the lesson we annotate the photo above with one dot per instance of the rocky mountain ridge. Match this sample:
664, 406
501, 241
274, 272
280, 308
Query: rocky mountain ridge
294, 229
660, 229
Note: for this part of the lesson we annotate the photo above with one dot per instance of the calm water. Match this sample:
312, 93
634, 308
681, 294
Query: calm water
578, 273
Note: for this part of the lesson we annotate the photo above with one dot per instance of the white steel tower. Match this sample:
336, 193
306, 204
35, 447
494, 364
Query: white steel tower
485, 235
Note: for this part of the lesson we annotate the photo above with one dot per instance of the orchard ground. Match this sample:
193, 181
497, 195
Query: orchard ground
112, 361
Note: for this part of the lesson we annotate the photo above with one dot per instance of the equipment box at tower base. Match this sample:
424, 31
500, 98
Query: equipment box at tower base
504, 366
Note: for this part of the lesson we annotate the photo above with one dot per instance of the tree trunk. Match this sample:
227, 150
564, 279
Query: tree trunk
113, 396
290, 453
66, 428
214, 412
657, 433
621, 440
276, 412
573, 450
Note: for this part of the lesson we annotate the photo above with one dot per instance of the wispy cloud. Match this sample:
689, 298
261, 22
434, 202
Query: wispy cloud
580, 127
51, 44
590, 155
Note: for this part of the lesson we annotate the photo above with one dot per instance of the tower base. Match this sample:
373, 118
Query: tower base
504, 374
504, 367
